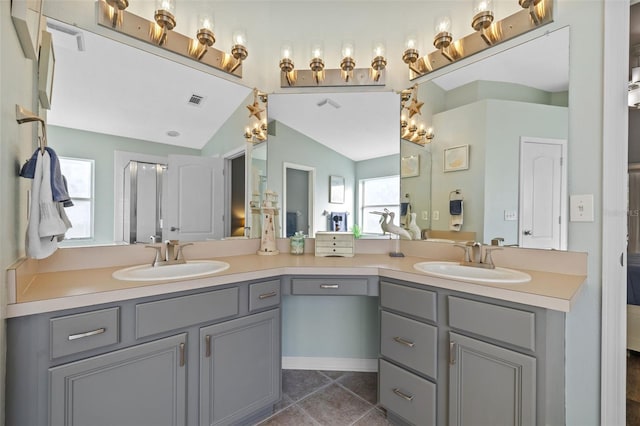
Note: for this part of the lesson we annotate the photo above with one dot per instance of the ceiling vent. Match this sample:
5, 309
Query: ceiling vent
196, 100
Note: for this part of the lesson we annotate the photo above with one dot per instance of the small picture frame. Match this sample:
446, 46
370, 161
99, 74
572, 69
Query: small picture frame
46, 68
410, 166
456, 158
336, 189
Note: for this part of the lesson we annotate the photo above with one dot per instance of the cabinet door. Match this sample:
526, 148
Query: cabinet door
490, 385
239, 367
140, 385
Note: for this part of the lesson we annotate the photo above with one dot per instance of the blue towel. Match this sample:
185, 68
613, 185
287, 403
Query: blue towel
58, 184
404, 207
455, 207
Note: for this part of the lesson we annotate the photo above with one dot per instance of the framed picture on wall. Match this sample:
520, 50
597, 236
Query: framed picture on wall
410, 166
456, 158
336, 189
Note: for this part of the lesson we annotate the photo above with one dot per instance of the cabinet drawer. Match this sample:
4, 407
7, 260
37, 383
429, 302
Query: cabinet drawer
328, 286
499, 323
77, 333
264, 295
334, 251
409, 342
409, 300
179, 312
407, 395
337, 243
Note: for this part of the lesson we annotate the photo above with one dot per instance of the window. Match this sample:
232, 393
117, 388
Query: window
79, 174
377, 194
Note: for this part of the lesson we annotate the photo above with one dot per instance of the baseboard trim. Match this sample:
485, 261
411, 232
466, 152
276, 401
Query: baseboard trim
330, 364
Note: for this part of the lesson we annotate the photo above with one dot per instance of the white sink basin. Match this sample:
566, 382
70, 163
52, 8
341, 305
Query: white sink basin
455, 271
191, 269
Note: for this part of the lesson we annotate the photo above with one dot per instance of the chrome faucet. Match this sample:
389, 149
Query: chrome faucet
172, 253
473, 255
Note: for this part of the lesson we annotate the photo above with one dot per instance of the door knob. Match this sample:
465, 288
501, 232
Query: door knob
527, 232
173, 228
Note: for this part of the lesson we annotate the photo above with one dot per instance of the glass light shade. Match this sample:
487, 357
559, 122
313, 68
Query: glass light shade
239, 37
166, 5
411, 42
205, 20
286, 51
378, 48
348, 50
482, 6
317, 50
442, 24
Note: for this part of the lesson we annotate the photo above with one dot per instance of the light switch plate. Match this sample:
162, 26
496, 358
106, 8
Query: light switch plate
425, 215
435, 215
581, 208
510, 215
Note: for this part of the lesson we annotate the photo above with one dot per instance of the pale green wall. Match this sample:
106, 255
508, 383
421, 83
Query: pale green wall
330, 326
288, 145
100, 147
507, 121
230, 136
17, 83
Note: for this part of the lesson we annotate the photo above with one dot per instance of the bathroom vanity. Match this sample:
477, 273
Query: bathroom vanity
208, 351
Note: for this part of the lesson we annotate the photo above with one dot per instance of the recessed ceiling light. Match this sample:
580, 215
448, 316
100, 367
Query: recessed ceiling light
173, 133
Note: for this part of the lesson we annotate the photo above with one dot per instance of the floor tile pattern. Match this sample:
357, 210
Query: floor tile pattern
328, 398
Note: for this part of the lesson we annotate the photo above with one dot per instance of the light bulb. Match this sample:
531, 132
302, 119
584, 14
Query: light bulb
482, 6
317, 51
286, 51
411, 42
166, 5
443, 24
347, 49
378, 48
239, 37
205, 20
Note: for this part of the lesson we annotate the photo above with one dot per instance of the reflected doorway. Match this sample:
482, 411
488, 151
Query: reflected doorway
297, 203
235, 166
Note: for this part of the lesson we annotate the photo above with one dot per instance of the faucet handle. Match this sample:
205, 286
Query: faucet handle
467, 251
158, 257
487, 255
179, 254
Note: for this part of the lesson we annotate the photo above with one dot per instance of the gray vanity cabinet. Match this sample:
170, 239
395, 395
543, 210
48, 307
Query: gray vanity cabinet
239, 367
451, 358
141, 385
490, 385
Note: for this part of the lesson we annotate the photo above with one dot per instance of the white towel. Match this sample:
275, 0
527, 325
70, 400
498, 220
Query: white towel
46, 223
455, 220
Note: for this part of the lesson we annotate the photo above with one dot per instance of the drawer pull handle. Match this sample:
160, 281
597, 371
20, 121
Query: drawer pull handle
207, 346
267, 295
405, 342
87, 334
453, 347
182, 355
403, 395
329, 286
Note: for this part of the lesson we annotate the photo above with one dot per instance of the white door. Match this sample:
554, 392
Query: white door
194, 198
542, 217
299, 202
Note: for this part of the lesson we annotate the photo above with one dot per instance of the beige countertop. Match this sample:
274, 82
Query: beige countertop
57, 290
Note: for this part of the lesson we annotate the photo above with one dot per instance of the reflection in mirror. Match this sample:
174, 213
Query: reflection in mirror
115, 104
352, 137
510, 113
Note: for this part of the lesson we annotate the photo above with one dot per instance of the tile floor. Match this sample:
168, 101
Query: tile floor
331, 398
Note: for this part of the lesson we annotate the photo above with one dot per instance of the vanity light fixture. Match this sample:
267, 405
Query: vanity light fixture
487, 33
117, 6
256, 132
112, 14
348, 64
443, 38
317, 62
411, 53
319, 76
205, 35
164, 17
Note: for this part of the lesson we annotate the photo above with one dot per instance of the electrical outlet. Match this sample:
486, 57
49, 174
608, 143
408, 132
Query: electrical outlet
425, 215
436, 215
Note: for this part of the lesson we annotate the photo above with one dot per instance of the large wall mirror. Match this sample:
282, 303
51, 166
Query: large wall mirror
501, 130
121, 116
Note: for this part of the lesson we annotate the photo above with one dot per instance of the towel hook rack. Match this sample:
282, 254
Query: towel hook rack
23, 115
456, 195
